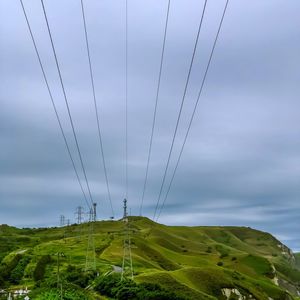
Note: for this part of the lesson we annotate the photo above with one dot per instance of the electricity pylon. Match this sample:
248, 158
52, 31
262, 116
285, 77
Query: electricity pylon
80, 219
90, 259
127, 269
79, 214
62, 220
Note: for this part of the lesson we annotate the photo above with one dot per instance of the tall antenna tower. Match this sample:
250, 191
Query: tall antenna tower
127, 270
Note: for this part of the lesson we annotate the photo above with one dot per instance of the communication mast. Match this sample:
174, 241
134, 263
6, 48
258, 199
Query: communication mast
127, 269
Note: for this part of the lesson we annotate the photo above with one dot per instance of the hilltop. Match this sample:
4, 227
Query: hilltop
191, 262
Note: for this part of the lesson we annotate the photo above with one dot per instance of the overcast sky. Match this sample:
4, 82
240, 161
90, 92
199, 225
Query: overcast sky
241, 163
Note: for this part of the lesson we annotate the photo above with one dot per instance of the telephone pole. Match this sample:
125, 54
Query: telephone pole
127, 269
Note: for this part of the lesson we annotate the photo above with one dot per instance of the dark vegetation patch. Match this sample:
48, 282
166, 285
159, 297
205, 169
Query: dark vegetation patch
224, 252
40, 269
260, 264
114, 288
18, 272
78, 277
168, 282
99, 250
51, 292
6, 269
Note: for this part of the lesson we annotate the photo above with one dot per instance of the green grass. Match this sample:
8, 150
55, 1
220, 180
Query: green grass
195, 262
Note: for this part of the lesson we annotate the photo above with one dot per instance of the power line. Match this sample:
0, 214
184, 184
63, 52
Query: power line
95, 105
195, 108
66, 102
155, 107
53, 103
126, 99
180, 110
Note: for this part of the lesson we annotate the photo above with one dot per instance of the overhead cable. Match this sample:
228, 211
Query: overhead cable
195, 108
67, 103
155, 107
180, 110
53, 103
96, 106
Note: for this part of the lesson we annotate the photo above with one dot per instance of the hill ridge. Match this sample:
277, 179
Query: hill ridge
198, 262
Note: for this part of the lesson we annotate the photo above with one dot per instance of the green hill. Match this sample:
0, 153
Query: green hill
170, 262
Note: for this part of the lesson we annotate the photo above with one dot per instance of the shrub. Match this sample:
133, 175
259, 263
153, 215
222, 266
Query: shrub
39, 271
6, 268
222, 250
112, 287
77, 276
18, 272
223, 255
209, 249
54, 294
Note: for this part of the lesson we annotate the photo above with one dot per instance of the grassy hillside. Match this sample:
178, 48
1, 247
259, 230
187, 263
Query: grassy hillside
297, 257
168, 261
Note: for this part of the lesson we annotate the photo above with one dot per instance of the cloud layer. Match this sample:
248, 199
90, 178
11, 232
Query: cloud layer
241, 162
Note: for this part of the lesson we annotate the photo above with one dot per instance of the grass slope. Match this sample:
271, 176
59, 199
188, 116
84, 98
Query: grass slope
193, 262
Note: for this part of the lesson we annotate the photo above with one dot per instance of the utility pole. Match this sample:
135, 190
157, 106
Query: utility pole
127, 269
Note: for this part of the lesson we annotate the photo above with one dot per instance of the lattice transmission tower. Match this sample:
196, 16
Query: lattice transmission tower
127, 269
62, 220
79, 214
90, 261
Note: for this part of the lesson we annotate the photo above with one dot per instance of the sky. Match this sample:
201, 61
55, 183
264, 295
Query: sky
241, 162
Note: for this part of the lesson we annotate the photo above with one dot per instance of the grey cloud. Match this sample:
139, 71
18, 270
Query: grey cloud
241, 161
